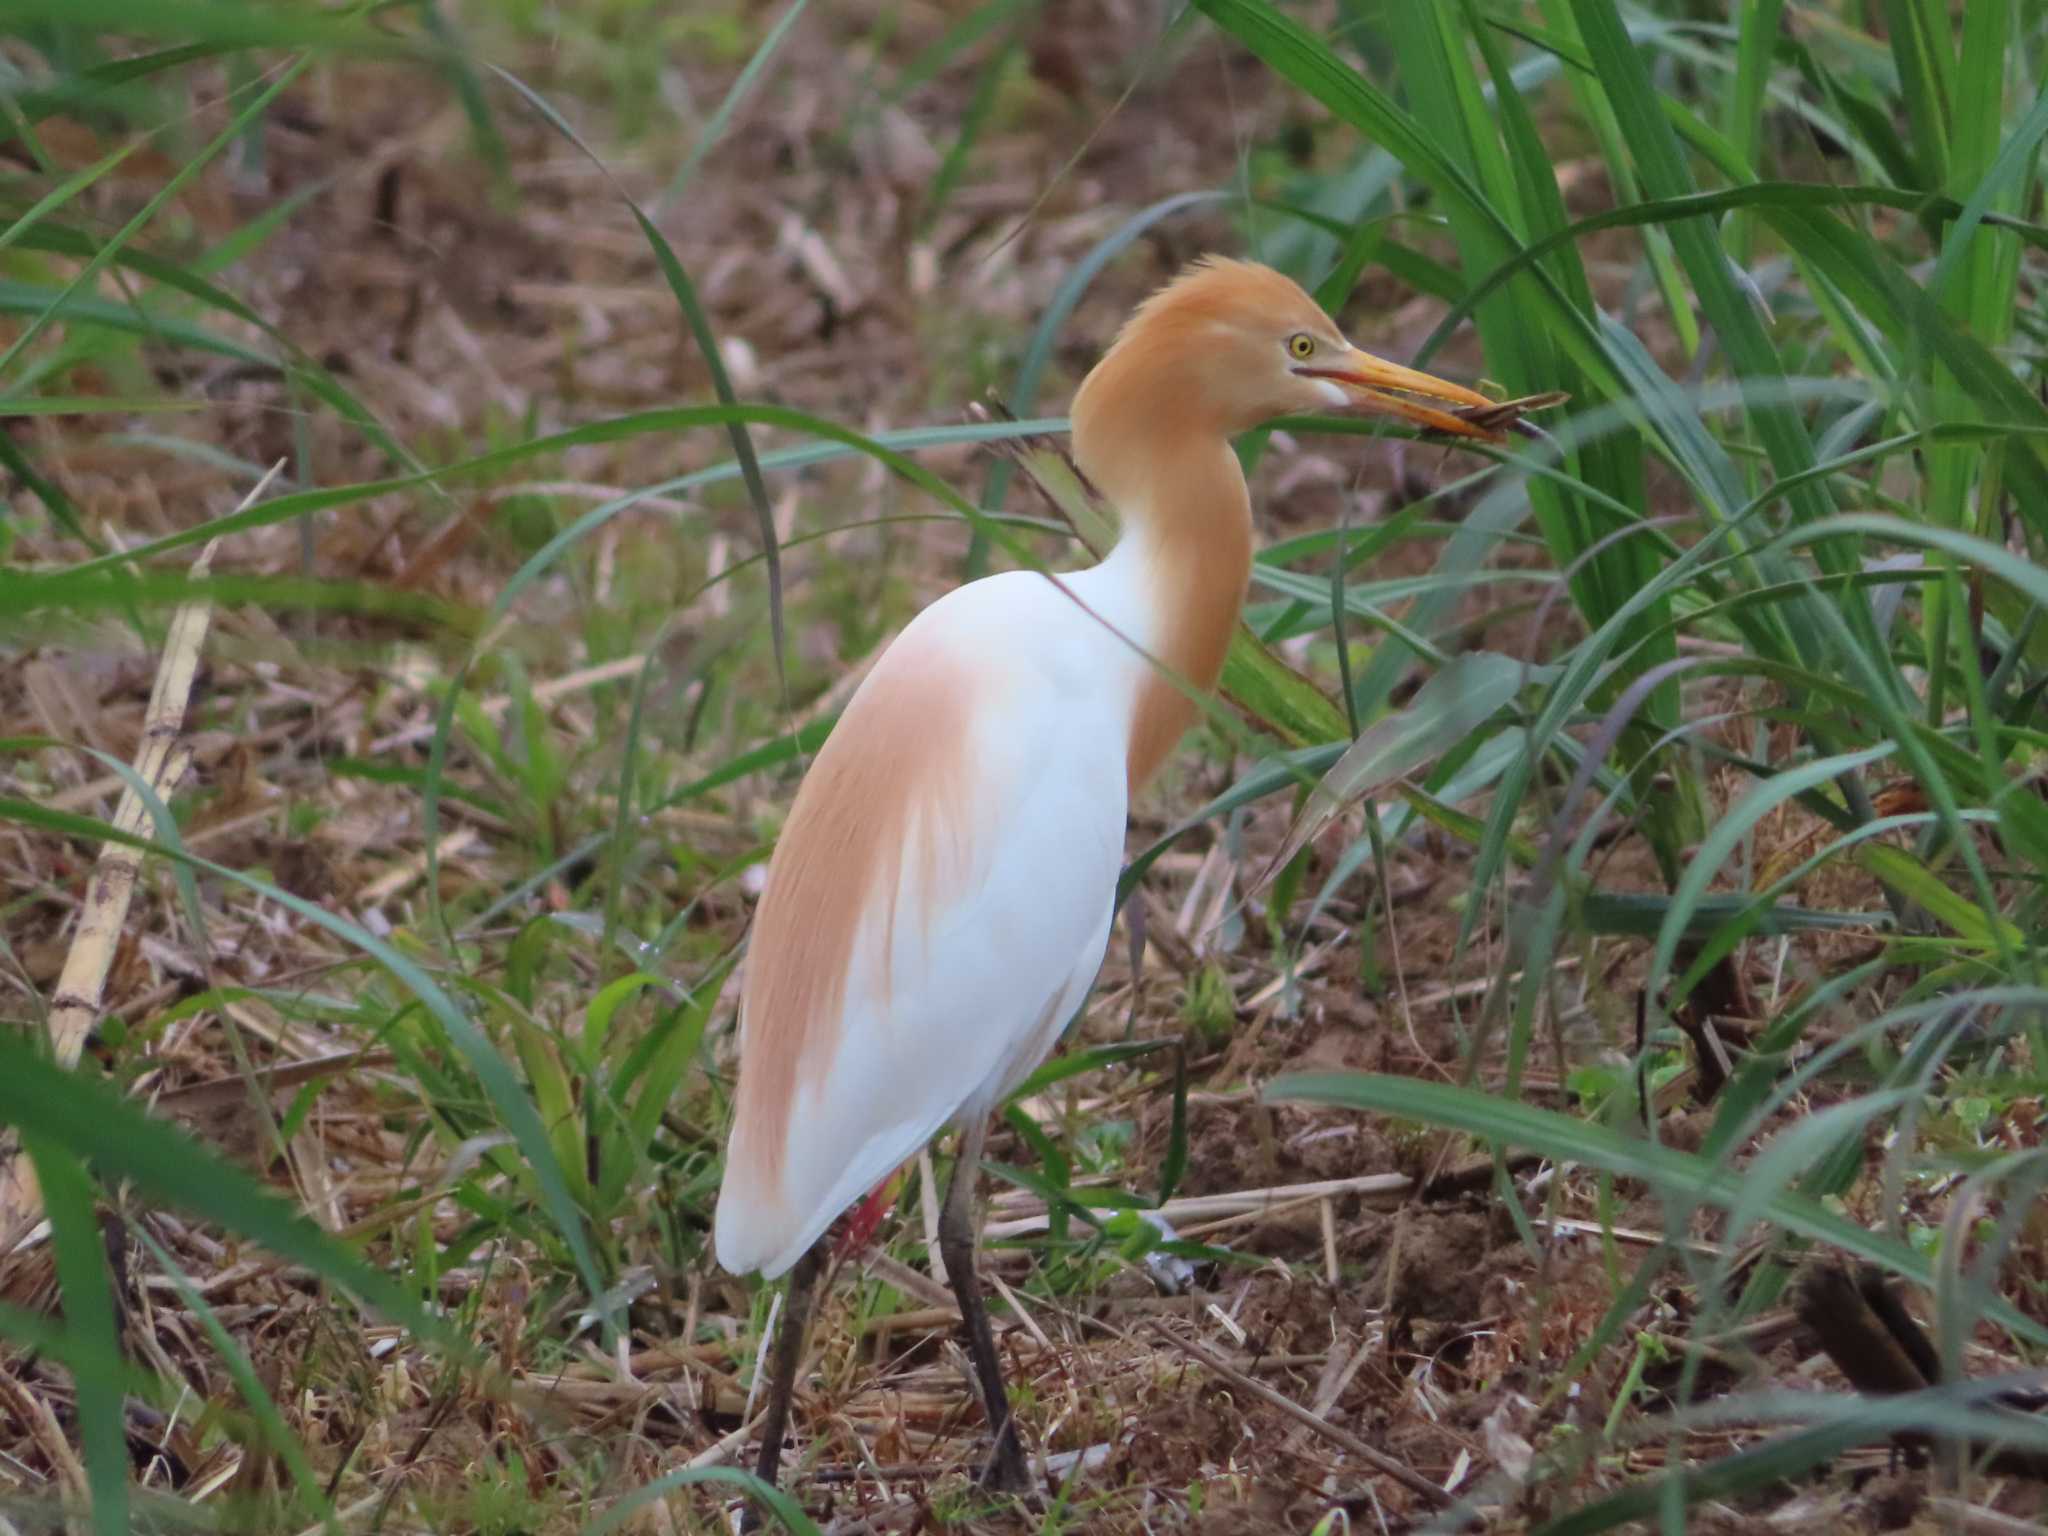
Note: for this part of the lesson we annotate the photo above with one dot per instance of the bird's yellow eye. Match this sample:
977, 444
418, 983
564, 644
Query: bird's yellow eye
1301, 344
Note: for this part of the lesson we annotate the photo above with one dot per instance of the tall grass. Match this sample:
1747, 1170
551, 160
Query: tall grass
1792, 523
1809, 573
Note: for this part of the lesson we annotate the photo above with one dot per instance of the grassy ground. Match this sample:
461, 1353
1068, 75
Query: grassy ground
1559, 1039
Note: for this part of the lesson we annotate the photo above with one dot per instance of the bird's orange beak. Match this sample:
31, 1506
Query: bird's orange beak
1378, 385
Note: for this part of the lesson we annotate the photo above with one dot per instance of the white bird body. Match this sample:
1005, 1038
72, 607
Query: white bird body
940, 898
959, 985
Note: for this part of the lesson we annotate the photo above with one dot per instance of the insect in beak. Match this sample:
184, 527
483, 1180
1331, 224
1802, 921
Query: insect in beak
1375, 384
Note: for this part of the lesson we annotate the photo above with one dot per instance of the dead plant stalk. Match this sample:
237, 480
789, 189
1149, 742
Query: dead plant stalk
82, 983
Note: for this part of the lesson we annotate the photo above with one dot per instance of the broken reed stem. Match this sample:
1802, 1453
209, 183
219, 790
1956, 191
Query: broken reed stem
77, 1001
76, 1004
1193, 1208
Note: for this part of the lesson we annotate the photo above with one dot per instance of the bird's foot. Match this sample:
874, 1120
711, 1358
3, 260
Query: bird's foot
1007, 1470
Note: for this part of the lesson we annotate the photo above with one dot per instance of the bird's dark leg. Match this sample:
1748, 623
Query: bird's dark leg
789, 1354
1007, 1469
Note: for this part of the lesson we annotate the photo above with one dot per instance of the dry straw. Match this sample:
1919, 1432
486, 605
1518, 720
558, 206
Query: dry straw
159, 759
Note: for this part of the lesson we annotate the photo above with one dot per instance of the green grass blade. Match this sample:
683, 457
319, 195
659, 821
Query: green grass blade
89, 1323
259, 1219
742, 87
65, 191
1726, 305
193, 23
1921, 50
1743, 121
83, 1120
1454, 704
785, 1509
685, 293
277, 1434
1759, 195
170, 189
185, 279
1493, 1119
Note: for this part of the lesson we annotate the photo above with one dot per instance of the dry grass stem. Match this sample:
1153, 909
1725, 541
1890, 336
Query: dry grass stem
75, 1004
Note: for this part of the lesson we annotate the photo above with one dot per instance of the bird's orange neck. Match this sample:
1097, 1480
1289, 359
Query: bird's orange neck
1187, 546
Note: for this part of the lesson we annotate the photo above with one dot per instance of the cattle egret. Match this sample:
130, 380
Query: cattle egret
940, 899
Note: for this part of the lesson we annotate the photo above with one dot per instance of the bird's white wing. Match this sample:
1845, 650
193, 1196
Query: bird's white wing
937, 906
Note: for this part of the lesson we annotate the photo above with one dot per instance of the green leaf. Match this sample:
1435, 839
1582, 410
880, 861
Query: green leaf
1730, 829
1450, 707
89, 1325
1727, 307
1279, 697
277, 1434
1074, 1063
742, 86
514, 1108
86, 1122
170, 189
785, 1509
196, 22
1493, 1119
1805, 197
1925, 889
665, 1055
597, 1018
1959, 1412
553, 1098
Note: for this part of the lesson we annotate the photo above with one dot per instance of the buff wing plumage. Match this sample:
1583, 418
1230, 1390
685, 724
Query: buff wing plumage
936, 909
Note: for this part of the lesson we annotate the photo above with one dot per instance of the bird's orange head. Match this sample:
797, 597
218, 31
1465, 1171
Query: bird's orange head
1230, 344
